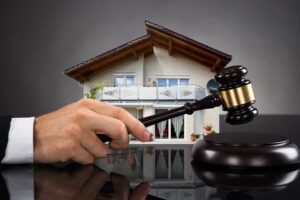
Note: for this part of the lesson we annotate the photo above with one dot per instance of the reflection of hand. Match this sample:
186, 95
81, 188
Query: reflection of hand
70, 132
83, 183
121, 190
80, 184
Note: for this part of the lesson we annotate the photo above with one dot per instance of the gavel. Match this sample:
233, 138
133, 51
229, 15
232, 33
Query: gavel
235, 95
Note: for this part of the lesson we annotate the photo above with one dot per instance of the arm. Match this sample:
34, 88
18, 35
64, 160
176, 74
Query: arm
69, 133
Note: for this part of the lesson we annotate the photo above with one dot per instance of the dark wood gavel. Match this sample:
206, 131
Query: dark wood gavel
235, 95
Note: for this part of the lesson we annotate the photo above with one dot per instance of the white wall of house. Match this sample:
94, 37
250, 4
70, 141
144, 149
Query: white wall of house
132, 66
161, 64
147, 111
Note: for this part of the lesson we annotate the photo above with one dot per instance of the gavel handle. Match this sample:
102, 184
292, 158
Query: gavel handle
210, 101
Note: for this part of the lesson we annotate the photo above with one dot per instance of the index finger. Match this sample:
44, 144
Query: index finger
133, 125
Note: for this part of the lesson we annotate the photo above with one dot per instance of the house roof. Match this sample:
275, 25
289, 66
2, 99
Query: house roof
156, 36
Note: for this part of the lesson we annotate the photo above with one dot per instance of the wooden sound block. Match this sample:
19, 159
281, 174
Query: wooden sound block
246, 150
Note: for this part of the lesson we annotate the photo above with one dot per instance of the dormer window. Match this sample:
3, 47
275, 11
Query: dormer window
124, 80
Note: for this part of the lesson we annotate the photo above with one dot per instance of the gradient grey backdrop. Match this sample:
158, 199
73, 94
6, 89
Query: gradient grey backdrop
39, 39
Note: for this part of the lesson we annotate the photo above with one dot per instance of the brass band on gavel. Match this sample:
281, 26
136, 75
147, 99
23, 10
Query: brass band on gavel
237, 96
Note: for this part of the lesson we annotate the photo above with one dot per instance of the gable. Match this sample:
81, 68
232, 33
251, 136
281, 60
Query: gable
157, 36
180, 44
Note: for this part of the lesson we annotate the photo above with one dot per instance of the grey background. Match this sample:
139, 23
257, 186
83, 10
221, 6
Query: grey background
39, 39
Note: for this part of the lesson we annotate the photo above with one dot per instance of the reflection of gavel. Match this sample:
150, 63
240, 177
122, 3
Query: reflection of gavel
235, 94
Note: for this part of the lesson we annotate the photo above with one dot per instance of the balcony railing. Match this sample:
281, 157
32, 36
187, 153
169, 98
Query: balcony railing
141, 93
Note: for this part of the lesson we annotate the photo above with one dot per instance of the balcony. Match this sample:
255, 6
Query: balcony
141, 93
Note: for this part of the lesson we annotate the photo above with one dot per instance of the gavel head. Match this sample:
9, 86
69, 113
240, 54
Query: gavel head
236, 94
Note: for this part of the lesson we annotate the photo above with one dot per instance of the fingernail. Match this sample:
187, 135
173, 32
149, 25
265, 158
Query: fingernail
146, 135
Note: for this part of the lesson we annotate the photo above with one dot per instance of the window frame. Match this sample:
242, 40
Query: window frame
124, 76
169, 128
179, 79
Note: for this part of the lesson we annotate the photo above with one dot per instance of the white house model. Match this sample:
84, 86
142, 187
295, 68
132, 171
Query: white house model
156, 72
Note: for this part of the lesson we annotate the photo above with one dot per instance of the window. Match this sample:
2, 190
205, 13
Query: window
169, 82
169, 129
183, 81
162, 83
173, 82
124, 80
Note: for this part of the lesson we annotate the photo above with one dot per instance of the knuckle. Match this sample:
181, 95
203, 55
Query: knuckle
121, 129
81, 115
122, 139
119, 113
85, 102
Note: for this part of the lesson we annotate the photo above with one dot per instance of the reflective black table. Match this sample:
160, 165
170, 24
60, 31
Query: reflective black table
146, 171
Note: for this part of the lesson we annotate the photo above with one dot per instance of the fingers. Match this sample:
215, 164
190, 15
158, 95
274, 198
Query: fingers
92, 123
88, 123
70, 132
134, 126
92, 143
116, 130
82, 156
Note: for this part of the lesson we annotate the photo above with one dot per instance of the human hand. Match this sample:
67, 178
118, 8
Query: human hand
70, 133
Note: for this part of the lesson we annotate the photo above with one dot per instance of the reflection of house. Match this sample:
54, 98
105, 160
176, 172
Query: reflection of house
166, 167
153, 73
